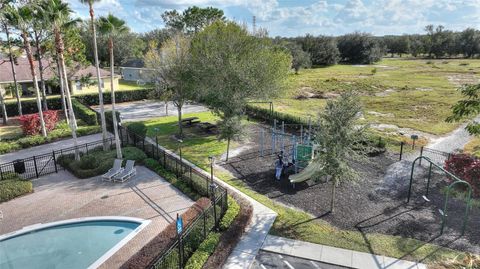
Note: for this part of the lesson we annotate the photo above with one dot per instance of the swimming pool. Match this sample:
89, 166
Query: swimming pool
79, 243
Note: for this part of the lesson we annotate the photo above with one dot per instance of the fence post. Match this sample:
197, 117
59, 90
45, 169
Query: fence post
143, 144
86, 148
401, 149
1, 172
180, 252
35, 164
421, 154
204, 224
164, 160
55, 161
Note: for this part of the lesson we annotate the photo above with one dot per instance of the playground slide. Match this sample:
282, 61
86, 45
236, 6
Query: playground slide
306, 173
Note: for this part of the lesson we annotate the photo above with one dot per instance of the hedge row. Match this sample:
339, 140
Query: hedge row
98, 162
30, 106
147, 255
206, 249
120, 97
61, 131
266, 115
13, 187
84, 113
55, 103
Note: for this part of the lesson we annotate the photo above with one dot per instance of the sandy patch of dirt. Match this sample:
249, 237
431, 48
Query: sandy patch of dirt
387, 92
461, 79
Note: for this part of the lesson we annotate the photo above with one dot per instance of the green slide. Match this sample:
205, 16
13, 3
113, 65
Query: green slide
306, 173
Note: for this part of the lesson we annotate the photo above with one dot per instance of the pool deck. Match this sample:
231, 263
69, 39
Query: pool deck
61, 196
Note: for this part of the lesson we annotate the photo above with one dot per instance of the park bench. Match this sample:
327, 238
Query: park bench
190, 121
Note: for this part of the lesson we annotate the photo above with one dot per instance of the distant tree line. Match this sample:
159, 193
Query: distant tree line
363, 48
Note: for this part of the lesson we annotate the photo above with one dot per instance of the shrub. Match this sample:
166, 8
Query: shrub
30, 106
133, 153
84, 113
138, 128
14, 187
31, 122
230, 214
120, 96
145, 257
467, 168
206, 248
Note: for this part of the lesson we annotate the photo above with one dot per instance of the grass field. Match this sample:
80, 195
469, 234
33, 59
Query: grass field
290, 222
414, 94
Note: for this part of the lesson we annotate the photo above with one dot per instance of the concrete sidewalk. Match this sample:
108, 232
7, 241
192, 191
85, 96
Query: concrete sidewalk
256, 232
337, 256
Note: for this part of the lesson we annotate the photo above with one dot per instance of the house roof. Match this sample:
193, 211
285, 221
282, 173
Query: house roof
22, 68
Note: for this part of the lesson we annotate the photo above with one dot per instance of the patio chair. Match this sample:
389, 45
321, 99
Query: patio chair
115, 170
128, 172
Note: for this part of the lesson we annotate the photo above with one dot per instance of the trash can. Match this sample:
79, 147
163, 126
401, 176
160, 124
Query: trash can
19, 166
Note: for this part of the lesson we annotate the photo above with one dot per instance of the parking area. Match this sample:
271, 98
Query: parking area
148, 109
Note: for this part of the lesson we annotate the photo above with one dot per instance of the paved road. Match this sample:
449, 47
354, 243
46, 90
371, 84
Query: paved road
143, 110
268, 260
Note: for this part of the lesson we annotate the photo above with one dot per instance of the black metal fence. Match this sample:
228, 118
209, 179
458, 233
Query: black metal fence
44, 164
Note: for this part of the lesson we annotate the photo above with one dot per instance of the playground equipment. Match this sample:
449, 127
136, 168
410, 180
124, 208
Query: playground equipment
299, 155
456, 181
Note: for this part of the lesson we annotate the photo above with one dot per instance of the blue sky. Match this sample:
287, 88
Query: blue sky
293, 18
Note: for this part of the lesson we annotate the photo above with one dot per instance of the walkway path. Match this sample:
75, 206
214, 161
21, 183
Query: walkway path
331, 255
48, 148
256, 232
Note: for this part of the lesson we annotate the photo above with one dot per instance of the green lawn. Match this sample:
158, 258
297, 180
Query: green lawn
416, 94
195, 147
130, 85
293, 223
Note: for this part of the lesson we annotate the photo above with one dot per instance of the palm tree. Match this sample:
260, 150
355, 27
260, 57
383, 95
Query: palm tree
95, 53
38, 31
57, 14
4, 22
112, 27
21, 18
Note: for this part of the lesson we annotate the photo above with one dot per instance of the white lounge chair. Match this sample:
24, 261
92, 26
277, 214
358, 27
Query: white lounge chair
115, 170
128, 172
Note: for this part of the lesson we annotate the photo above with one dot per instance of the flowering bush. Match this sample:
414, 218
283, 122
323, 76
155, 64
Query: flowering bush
31, 122
465, 167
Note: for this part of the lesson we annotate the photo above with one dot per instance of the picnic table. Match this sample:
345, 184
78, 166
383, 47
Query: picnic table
190, 120
208, 127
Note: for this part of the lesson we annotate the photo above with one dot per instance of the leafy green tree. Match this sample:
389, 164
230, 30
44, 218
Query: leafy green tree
300, 58
159, 36
359, 48
338, 138
469, 42
192, 19
232, 67
170, 68
97, 67
467, 107
112, 27
417, 45
40, 34
322, 49
21, 18
6, 28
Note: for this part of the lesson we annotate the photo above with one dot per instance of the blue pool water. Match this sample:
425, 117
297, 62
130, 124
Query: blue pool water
74, 245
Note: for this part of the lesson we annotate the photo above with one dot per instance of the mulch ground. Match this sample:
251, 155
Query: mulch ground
376, 203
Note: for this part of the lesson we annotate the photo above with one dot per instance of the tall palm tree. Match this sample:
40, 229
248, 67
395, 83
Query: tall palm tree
4, 22
112, 27
57, 14
21, 18
38, 32
95, 54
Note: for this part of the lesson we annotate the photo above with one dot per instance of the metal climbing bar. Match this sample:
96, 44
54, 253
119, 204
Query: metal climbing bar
457, 181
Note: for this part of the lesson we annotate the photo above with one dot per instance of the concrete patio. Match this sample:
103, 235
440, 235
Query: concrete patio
61, 196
